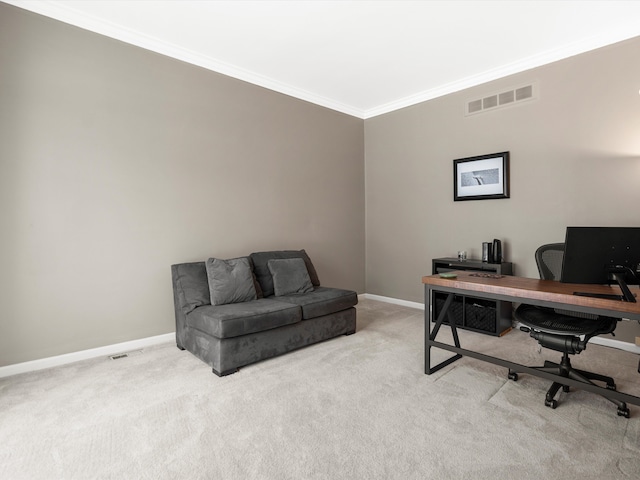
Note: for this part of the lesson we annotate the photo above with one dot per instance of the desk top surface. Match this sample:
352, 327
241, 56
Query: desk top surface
525, 289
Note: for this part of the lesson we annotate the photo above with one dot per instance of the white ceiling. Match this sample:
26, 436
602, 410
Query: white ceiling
363, 58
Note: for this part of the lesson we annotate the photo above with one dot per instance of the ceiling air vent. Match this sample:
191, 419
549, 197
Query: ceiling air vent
490, 102
475, 106
509, 97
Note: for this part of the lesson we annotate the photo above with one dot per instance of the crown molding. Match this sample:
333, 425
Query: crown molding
528, 63
70, 16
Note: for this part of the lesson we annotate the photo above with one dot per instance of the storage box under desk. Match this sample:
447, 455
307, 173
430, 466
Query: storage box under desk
474, 313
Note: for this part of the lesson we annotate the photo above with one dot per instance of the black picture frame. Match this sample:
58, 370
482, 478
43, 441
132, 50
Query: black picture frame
483, 177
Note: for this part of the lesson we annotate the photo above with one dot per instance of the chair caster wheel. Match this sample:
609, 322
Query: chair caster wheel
623, 411
513, 376
565, 388
551, 403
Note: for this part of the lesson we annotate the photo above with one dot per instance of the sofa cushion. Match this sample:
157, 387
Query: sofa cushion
230, 281
263, 274
289, 276
322, 301
235, 319
192, 286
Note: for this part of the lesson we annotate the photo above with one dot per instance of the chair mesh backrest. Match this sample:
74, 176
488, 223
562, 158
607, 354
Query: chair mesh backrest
549, 260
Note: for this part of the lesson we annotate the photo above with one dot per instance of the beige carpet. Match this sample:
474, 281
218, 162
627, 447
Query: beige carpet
356, 407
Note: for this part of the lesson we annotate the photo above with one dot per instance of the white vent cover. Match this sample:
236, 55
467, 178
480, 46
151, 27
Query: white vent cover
503, 99
118, 356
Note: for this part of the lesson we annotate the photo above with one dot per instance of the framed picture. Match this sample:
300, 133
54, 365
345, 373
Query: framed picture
482, 177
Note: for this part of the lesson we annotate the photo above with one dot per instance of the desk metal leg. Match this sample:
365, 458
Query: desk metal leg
430, 341
430, 335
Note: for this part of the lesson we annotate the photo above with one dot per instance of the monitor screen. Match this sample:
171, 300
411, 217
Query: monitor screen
601, 255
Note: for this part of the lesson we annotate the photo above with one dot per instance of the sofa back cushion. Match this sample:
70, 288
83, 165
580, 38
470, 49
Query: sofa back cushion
263, 274
230, 281
290, 276
191, 286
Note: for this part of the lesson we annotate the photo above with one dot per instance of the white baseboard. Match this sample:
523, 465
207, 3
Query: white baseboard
610, 342
105, 351
50, 362
607, 342
396, 301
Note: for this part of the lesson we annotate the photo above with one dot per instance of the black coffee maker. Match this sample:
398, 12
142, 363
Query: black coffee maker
492, 252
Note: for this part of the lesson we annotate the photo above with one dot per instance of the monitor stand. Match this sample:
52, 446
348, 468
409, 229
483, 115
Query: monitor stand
616, 274
607, 296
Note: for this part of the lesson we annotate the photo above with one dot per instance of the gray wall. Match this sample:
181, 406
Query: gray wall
575, 160
116, 162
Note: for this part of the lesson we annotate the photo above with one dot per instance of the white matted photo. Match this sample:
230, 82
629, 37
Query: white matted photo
482, 177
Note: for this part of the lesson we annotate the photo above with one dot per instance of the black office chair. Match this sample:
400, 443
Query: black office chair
563, 331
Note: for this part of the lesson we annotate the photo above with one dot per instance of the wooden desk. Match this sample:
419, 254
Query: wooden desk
544, 293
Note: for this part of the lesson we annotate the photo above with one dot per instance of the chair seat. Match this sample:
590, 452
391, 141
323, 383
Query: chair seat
550, 321
563, 331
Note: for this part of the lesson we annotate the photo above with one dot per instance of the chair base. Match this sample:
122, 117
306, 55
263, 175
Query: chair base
564, 369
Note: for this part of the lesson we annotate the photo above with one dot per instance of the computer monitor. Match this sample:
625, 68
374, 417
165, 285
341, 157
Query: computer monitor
602, 255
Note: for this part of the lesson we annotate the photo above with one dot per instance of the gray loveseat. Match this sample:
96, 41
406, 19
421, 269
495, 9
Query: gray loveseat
230, 313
